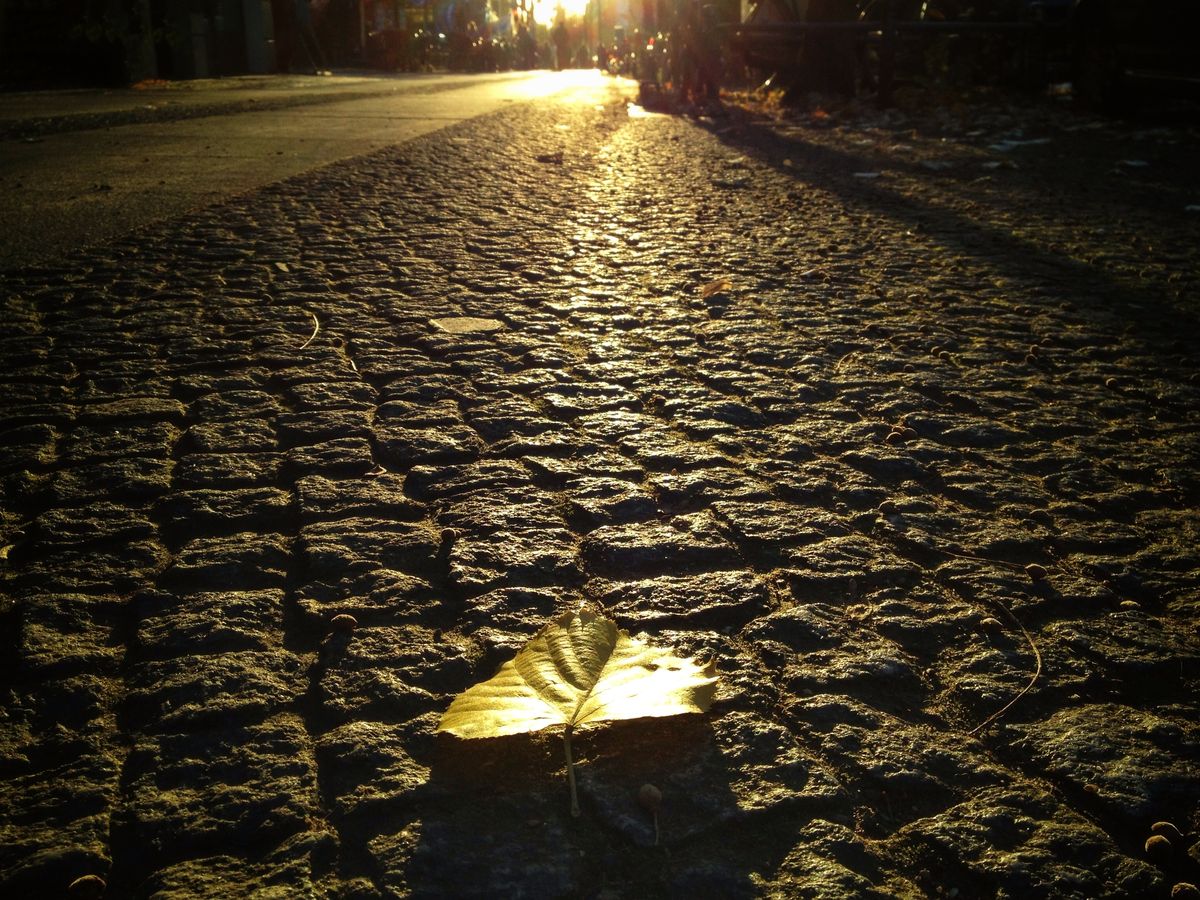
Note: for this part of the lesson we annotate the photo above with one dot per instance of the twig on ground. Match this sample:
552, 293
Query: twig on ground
1009, 614
316, 328
1037, 673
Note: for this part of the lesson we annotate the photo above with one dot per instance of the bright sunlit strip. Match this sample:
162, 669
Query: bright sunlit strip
573, 85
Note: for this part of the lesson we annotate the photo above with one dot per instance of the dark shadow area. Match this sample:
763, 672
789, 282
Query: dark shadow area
496, 819
1006, 253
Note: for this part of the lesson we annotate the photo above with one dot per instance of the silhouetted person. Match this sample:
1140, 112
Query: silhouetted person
562, 50
526, 47
700, 54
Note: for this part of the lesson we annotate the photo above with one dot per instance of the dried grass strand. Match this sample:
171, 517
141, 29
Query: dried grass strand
316, 327
1037, 673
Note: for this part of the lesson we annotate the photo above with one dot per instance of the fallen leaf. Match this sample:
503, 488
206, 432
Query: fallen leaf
580, 669
715, 287
465, 324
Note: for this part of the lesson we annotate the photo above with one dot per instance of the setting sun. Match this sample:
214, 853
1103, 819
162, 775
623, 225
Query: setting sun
545, 12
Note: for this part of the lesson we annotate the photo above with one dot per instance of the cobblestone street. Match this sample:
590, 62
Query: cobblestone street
895, 417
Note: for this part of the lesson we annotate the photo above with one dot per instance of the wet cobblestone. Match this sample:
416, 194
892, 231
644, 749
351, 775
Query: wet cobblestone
449, 390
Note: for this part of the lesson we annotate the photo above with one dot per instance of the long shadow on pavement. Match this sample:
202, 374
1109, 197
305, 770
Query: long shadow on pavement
498, 822
1007, 253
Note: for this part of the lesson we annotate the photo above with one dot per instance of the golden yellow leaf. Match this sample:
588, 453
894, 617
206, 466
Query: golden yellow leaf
579, 669
716, 286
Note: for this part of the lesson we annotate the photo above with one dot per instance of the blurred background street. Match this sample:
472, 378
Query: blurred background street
84, 165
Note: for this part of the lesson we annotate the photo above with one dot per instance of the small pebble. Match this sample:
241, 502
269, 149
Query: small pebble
1158, 848
649, 798
448, 535
1185, 891
87, 886
1129, 604
1169, 831
343, 622
990, 623
895, 437
1036, 572
887, 507
1111, 382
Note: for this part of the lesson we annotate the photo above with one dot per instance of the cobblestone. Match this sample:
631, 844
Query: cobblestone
450, 391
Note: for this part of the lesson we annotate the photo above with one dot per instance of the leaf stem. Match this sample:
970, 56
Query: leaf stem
571, 772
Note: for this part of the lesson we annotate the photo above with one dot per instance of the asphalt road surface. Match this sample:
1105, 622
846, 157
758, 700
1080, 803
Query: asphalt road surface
103, 163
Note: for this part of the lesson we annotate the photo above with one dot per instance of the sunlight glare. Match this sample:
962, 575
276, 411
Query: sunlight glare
545, 12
